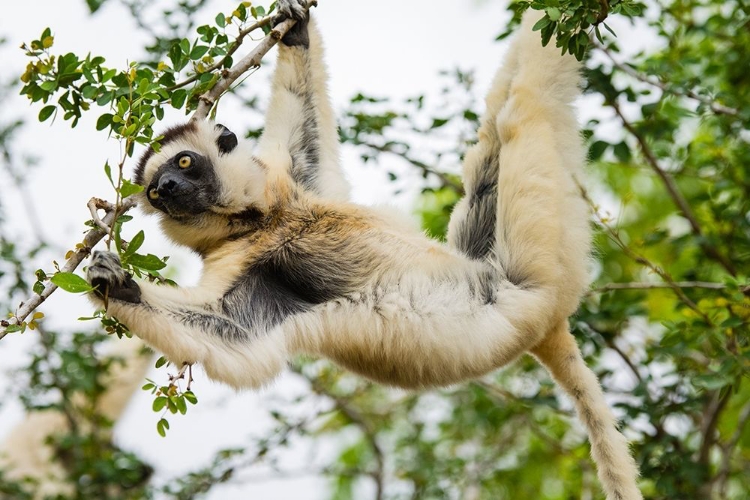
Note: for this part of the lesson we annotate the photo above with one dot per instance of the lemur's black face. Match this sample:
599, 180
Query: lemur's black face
184, 186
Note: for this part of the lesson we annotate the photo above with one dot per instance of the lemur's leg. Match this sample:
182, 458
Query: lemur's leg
617, 470
473, 221
543, 227
300, 122
186, 325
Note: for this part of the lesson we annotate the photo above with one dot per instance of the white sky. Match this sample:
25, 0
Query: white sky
386, 48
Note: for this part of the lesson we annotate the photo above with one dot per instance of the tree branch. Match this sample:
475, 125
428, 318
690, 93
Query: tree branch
673, 190
640, 259
445, 179
656, 285
358, 419
218, 65
717, 108
207, 101
251, 60
89, 240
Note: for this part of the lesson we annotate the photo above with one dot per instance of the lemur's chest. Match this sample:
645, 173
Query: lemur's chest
294, 267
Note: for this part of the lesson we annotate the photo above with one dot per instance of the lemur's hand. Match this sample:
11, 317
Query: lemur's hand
110, 280
297, 10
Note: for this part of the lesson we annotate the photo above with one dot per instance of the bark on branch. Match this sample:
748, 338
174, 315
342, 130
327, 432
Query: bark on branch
89, 240
251, 60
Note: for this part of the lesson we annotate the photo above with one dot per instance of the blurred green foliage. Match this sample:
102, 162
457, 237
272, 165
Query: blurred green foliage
665, 324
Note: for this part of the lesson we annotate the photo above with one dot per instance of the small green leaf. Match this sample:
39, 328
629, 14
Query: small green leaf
162, 426
221, 19
13, 328
438, 122
190, 397
198, 52
148, 387
181, 404
128, 188
71, 282
149, 262
104, 121
135, 244
161, 362
160, 403
541, 23
178, 98
554, 13
46, 112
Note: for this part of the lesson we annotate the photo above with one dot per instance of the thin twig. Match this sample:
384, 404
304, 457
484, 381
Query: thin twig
252, 60
446, 180
640, 259
647, 285
91, 238
717, 108
218, 65
358, 419
673, 190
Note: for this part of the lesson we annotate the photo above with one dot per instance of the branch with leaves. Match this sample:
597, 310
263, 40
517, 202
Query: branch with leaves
136, 96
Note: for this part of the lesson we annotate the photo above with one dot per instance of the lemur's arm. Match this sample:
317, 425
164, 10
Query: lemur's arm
300, 122
186, 324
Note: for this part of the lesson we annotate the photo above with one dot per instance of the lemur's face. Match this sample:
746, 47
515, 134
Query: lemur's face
183, 179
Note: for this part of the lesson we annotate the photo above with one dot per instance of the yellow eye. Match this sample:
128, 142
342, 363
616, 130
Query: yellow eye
185, 161
153, 193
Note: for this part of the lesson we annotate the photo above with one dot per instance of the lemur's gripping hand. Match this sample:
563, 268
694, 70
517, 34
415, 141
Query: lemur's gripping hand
110, 280
294, 9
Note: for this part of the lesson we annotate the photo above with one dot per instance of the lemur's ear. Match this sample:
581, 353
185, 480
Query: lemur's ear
227, 141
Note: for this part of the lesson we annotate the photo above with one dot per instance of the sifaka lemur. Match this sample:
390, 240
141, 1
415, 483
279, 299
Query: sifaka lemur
290, 266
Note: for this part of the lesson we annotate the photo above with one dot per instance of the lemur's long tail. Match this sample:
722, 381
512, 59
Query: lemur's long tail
617, 470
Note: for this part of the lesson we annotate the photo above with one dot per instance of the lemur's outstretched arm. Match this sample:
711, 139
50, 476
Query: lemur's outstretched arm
300, 122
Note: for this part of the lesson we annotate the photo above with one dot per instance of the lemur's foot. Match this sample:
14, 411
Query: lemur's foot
294, 9
297, 10
110, 280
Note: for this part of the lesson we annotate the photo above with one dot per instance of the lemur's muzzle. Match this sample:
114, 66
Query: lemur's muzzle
171, 186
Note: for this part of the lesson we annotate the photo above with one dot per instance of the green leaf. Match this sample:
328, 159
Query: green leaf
178, 98
622, 152
161, 362
541, 23
135, 244
128, 188
597, 149
148, 387
221, 20
181, 404
198, 52
71, 282
190, 397
554, 13
149, 262
108, 171
159, 403
46, 112
162, 426
438, 122
13, 328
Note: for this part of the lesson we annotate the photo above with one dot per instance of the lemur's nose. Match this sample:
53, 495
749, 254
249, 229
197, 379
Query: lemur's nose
170, 185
